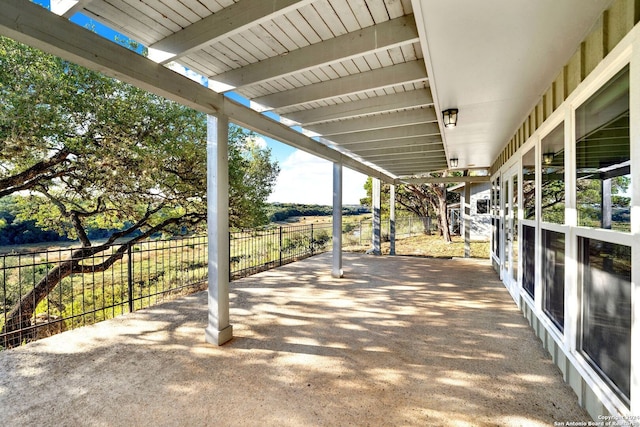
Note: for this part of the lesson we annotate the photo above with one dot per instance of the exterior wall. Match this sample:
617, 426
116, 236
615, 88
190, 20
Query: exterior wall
612, 47
480, 222
611, 28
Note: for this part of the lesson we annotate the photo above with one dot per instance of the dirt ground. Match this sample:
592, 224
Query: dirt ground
399, 341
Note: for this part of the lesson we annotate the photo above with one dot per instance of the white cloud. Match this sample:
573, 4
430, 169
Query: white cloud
305, 178
260, 142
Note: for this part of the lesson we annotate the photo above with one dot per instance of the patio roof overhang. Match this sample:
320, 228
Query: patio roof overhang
370, 78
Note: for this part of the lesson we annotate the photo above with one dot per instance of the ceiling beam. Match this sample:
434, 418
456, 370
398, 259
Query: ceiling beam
373, 105
426, 165
442, 180
417, 155
380, 78
394, 143
380, 37
410, 172
399, 151
399, 132
400, 118
422, 163
227, 22
31, 24
67, 8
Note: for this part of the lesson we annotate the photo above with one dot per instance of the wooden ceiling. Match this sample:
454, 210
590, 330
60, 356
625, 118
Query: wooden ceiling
350, 71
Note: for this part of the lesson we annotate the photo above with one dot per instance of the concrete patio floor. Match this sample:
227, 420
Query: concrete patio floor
399, 341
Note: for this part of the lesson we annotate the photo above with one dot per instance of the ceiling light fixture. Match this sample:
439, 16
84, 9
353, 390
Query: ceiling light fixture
450, 117
454, 162
547, 158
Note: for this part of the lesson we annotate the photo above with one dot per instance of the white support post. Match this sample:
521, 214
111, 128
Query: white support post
375, 202
218, 330
392, 220
466, 211
336, 270
634, 111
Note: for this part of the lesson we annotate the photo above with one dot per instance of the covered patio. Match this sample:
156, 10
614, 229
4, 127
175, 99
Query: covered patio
397, 341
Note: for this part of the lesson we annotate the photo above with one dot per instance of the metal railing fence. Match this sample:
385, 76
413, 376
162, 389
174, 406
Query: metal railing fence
256, 250
147, 274
154, 271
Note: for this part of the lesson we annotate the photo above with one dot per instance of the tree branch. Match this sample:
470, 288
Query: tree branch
35, 174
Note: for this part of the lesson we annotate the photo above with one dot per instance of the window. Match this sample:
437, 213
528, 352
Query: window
553, 276
528, 259
552, 189
529, 184
603, 157
482, 206
606, 310
495, 221
514, 229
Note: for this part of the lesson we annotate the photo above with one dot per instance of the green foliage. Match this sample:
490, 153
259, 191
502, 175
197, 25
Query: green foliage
17, 232
283, 211
95, 153
422, 200
252, 175
110, 153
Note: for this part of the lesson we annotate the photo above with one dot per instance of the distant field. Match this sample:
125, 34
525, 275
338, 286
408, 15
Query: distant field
324, 219
435, 246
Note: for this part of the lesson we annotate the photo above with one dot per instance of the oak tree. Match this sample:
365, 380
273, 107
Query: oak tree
89, 151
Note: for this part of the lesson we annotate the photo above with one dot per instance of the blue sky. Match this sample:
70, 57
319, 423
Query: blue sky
304, 178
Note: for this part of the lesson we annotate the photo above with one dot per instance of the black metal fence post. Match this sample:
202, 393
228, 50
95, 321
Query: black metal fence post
280, 245
130, 279
311, 241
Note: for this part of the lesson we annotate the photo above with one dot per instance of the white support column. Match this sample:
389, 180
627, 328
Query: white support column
218, 330
336, 270
634, 111
375, 206
392, 219
466, 212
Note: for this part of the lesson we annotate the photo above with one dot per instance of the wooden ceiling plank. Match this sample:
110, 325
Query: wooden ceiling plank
389, 152
310, 14
432, 140
300, 25
346, 15
378, 10
352, 45
422, 129
76, 8
388, 76
445, 179
394, 8
144, 31
198, 8
411, 164
330, 17
229, 21
252, 43
180, 14
381, 121
142, 10
361, 12
373, 105
284, 24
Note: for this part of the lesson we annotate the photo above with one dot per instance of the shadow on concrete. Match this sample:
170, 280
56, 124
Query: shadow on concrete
398, 341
